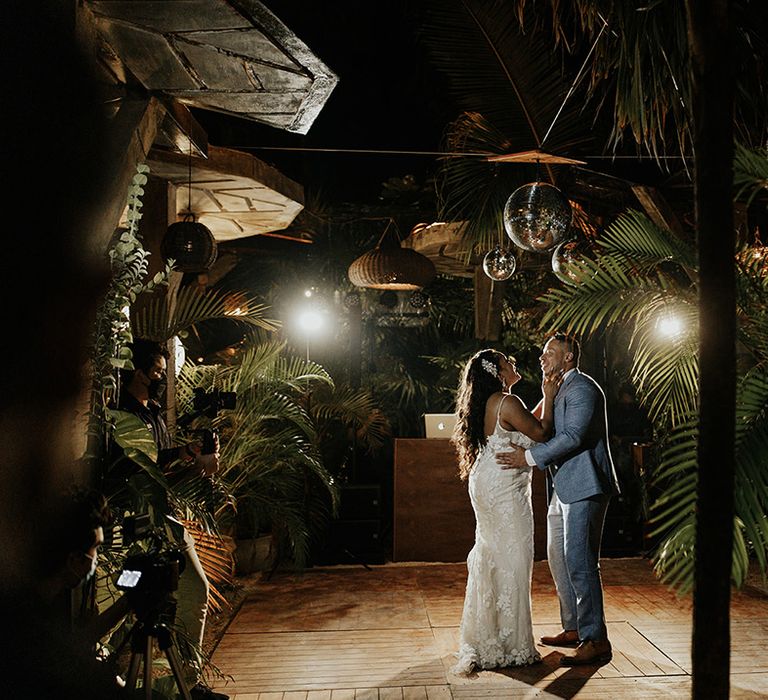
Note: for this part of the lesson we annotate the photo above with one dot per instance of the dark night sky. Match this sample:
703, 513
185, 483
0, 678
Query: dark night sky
387, 97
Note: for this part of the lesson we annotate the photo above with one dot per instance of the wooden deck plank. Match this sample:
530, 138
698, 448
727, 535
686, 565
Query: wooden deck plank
343, 694
390, 633
366, 694
390, 694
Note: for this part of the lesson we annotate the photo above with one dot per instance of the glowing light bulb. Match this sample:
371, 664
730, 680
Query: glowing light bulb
670, 326
310, 321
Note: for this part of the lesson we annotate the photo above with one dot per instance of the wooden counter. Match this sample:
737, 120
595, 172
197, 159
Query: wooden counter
433, 518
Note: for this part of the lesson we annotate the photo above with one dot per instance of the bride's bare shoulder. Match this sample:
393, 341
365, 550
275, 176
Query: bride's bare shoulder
510, 411
517, 402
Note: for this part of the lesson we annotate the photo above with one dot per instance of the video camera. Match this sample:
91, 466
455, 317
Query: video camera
148, 578
208, 403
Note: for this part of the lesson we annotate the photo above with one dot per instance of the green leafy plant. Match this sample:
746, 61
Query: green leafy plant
270, 462
646, 278
112, 332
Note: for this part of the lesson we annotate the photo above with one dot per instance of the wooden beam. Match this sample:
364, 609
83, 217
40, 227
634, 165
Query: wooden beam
489, 298
182, 131
658, 209
132, 132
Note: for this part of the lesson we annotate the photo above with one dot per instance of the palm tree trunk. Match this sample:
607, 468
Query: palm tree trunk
709, 39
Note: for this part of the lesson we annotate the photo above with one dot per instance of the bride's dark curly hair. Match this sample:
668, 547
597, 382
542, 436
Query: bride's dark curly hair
481, 378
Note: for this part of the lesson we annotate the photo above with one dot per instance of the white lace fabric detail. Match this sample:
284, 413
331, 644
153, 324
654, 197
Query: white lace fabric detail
496, 625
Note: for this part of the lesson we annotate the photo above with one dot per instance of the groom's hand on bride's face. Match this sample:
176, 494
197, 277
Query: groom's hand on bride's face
514, 459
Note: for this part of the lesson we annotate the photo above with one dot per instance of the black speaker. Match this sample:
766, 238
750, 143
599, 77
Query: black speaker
622, 532
359, 502
353, 542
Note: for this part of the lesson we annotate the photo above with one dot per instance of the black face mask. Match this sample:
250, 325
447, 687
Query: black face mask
156, 388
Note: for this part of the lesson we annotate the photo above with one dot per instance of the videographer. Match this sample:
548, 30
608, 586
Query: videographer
140, 392
50, 654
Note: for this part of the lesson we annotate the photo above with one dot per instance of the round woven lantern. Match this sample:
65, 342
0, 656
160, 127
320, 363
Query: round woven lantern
190, 244
388, 266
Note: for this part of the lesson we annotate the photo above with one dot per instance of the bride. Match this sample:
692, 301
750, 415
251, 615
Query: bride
496, 628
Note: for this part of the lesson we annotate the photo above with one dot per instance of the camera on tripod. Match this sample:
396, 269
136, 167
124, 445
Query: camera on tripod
148, 579
153, 574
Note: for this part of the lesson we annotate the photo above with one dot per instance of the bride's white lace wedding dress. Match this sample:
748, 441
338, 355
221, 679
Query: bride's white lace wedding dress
496, 628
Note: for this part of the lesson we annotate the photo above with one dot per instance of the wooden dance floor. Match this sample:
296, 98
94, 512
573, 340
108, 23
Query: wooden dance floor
389, 633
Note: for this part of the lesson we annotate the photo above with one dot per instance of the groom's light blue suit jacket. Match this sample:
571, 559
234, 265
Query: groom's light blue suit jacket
577, 456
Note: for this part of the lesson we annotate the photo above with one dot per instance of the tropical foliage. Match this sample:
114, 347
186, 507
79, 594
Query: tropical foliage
638, 66
646, 277
268, 455
129, 262
513, 91
277, 440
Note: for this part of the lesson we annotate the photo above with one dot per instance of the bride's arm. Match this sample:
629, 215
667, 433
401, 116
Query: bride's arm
538, 428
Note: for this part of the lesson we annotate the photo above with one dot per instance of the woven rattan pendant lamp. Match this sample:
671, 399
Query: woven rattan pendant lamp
188, 242
390, 266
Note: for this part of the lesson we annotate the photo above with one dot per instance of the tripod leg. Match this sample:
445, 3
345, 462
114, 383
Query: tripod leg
133, 671
148, 669
175, 664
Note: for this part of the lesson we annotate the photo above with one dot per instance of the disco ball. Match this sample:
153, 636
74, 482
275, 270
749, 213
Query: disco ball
419, 300
499, 264
352, 300
537, 217
566, 260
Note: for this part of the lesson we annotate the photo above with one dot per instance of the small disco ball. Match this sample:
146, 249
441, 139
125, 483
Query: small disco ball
537, 217
418, 300
567, 259
499, 264
352, 300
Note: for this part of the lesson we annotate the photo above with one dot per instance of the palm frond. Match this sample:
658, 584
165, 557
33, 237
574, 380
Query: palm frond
634, 236
750, 172
510, 76
638, 65
751, 494
354, 408
191, 307
471, 189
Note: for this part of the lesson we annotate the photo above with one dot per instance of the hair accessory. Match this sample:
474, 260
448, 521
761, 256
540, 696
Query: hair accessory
489, 367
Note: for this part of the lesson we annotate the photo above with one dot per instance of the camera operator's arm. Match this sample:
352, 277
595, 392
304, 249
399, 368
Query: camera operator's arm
192, 455
97, 626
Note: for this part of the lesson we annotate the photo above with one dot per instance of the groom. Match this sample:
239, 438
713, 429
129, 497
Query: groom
580, 481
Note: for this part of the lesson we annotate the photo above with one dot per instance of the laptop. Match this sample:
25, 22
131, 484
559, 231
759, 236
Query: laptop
439, 425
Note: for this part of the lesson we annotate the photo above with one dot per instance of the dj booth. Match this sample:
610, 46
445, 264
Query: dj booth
433, 518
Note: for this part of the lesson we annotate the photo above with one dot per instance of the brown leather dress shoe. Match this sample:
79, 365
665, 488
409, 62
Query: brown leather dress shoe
589, 652
566, 638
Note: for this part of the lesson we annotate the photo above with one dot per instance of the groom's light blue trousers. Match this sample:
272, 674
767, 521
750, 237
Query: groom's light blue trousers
574, 531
